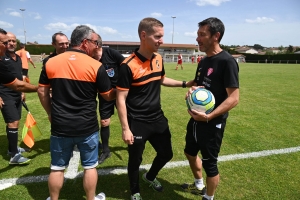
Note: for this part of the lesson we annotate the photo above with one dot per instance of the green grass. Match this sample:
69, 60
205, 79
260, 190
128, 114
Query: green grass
267, 117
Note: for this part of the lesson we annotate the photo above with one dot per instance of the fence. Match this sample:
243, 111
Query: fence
274, 61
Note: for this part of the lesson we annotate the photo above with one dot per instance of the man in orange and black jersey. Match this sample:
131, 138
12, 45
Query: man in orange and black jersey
72, 110
139, 108
61, 43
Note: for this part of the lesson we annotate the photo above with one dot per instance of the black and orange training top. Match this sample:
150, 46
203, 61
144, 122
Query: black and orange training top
75, 79
142, 77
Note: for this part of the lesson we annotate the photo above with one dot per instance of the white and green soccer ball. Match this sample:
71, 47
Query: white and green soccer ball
201, 100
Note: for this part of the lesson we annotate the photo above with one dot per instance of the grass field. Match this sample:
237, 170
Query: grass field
267, 118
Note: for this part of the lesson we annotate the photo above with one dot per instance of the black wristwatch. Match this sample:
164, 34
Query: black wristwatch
184, 84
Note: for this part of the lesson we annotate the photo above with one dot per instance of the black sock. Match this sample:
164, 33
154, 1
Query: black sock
12, 136
104, 133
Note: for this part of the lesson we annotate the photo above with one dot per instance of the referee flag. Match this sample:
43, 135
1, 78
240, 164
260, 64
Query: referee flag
30, 129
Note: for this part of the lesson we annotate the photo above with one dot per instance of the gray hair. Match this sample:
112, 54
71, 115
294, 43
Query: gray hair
80, 33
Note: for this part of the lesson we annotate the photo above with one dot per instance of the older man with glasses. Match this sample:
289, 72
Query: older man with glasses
75, 78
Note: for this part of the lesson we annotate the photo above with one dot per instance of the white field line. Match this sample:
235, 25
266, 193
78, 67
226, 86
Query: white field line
72, 171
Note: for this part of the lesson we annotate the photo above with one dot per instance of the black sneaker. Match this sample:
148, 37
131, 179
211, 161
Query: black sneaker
191, 188
155, 184
103, 156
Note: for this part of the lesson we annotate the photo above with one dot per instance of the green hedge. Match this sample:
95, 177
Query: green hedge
272, 57
38, 49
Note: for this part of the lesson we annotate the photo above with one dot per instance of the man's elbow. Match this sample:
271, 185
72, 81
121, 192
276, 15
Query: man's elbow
235, 102
110, 96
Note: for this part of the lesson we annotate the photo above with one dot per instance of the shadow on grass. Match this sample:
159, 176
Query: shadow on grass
117, 149
117, 187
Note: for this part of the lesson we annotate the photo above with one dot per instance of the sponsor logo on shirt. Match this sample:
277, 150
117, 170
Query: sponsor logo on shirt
72, 57
210, 71
157, 64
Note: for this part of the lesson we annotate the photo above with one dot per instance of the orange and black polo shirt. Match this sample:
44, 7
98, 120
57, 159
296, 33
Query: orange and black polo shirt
75, 79
142, 77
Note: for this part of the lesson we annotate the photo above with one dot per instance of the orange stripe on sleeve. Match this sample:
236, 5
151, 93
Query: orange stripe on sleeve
11, 82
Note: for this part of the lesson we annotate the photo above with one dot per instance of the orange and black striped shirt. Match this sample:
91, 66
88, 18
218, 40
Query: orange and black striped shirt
142, 77
75, 79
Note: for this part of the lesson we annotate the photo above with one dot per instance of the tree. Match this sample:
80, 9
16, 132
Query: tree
225, 48
269, 53
290, 49
281, 48
258, 46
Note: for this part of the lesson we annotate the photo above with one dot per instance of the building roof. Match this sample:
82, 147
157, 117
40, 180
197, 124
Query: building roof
238, 55
190, 46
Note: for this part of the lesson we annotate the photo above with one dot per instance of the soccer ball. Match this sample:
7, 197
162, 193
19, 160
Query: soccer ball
201, 100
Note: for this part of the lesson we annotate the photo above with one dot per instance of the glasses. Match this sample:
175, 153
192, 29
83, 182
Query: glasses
95, 42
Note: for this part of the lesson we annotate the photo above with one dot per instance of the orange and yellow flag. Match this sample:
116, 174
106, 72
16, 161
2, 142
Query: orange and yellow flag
30, 131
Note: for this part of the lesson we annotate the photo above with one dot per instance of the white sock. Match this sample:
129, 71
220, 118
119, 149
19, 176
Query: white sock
209, 197
199, 183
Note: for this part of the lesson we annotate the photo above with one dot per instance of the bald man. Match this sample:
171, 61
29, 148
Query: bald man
12, 108
7, 78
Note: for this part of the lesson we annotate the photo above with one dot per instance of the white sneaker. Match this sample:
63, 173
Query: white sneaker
100, 196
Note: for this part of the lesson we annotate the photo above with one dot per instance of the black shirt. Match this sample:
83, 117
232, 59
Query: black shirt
111, 60
15, 68
216, 73
6, 76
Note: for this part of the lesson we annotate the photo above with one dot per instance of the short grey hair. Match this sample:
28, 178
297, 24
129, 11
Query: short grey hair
80, 33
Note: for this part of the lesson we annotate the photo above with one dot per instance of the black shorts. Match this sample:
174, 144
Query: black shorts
106, 108
25, 72
11, 110
204, 137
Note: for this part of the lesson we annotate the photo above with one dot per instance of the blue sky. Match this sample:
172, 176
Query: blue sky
247, 22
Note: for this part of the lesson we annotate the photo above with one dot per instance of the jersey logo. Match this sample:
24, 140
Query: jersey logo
210, 71
157, 64
110, 72
72, 57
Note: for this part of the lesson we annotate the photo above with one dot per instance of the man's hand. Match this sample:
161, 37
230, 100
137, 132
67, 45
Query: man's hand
198, 116
127, 137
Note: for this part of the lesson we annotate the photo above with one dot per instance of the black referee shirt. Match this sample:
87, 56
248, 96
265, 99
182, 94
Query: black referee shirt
15, 68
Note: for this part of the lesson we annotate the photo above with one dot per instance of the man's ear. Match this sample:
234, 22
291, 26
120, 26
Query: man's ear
216, 36
143, 35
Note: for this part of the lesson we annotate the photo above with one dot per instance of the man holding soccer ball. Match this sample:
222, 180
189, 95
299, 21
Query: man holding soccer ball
218, 73
139, 108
